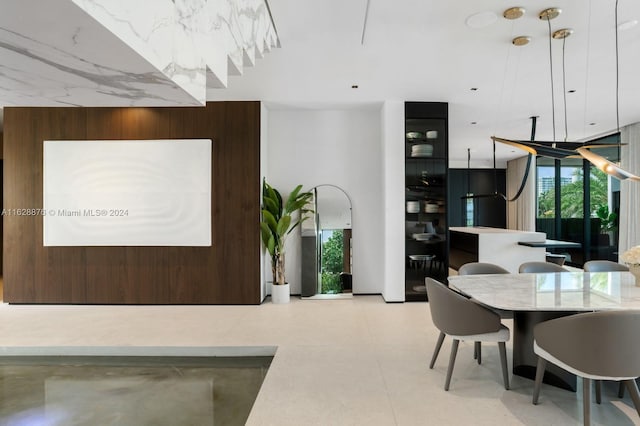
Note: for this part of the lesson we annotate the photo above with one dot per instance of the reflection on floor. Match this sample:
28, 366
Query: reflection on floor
129, 390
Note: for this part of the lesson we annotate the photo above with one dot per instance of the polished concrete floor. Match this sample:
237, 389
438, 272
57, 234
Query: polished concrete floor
337, 362
129, 391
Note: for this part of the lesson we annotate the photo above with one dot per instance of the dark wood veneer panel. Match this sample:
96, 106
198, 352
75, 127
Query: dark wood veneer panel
226, 273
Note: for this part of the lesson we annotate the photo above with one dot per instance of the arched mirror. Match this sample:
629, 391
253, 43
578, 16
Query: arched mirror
326, 246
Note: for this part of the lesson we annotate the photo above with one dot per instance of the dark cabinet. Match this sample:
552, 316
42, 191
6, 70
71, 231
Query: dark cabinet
482, 211
426, 195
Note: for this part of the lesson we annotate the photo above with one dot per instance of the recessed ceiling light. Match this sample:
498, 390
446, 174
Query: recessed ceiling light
481, 20
474, 89
550, 13
521, 40
627, 25
592, 124
572, 91
354, 86
513, 13
474, 122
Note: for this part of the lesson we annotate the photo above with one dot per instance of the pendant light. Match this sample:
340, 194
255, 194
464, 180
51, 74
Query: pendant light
559, 150
597, 160
495, 193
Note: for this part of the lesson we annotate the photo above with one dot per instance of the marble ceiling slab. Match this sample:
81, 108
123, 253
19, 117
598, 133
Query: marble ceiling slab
186, 38
120, 53
60, 56
166, 35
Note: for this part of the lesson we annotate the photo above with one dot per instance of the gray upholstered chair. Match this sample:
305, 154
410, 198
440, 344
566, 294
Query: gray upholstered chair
595, 346
532, 267
604, 266
484, 268
478, 268
463, 319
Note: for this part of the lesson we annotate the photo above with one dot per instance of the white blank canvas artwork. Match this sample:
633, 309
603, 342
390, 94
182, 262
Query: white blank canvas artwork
127, 193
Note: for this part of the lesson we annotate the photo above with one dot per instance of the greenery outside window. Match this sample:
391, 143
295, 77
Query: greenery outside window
571, 208
332, 260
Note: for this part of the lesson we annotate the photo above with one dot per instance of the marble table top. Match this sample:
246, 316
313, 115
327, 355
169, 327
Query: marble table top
564, 291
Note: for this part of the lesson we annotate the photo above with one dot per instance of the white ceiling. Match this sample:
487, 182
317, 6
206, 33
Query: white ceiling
422, 50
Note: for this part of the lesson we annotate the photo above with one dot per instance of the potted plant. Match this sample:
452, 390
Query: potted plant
608, 223
279, 218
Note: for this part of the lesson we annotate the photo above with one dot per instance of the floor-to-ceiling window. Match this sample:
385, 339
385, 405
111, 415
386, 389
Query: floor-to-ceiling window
572, 208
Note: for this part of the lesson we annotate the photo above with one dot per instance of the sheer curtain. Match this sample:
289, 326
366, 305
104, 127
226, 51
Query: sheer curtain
630, 190
521, 214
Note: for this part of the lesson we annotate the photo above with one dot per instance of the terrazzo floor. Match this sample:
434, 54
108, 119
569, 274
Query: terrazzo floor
357, 361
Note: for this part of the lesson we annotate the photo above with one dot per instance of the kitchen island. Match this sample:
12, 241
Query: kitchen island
494, 245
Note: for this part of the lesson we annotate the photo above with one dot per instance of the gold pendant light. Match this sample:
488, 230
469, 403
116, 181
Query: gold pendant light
560, 150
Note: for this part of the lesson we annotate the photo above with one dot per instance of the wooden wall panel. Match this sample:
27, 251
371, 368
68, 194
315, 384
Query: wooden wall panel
226, 273
1, 197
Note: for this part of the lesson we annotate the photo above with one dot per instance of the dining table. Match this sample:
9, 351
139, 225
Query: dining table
538, 297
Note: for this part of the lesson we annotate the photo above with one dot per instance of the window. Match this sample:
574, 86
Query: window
572, 208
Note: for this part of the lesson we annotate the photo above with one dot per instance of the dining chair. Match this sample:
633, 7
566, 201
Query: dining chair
603, 266
463, 319
477, 268
542, 267
484, 268
585, 345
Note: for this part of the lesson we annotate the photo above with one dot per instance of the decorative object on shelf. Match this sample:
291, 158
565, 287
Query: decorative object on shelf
432, 134
414, 135
413, 206
425, 236
422, 150
278, 222
560, 150
428, 227
631, 258
431, 207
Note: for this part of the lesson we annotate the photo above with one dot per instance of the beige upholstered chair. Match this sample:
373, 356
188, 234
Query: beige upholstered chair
478, 268
595, 346
603, 266
532, 267
484, 268
463, 319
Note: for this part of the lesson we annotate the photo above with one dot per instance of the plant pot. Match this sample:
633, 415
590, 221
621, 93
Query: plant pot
280, 293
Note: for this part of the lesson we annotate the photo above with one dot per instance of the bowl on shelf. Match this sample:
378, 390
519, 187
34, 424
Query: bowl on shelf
425, 236
415, 135
432, 134
413, 206
431, 208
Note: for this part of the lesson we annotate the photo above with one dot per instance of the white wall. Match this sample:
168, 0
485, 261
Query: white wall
392, 145
343, 148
